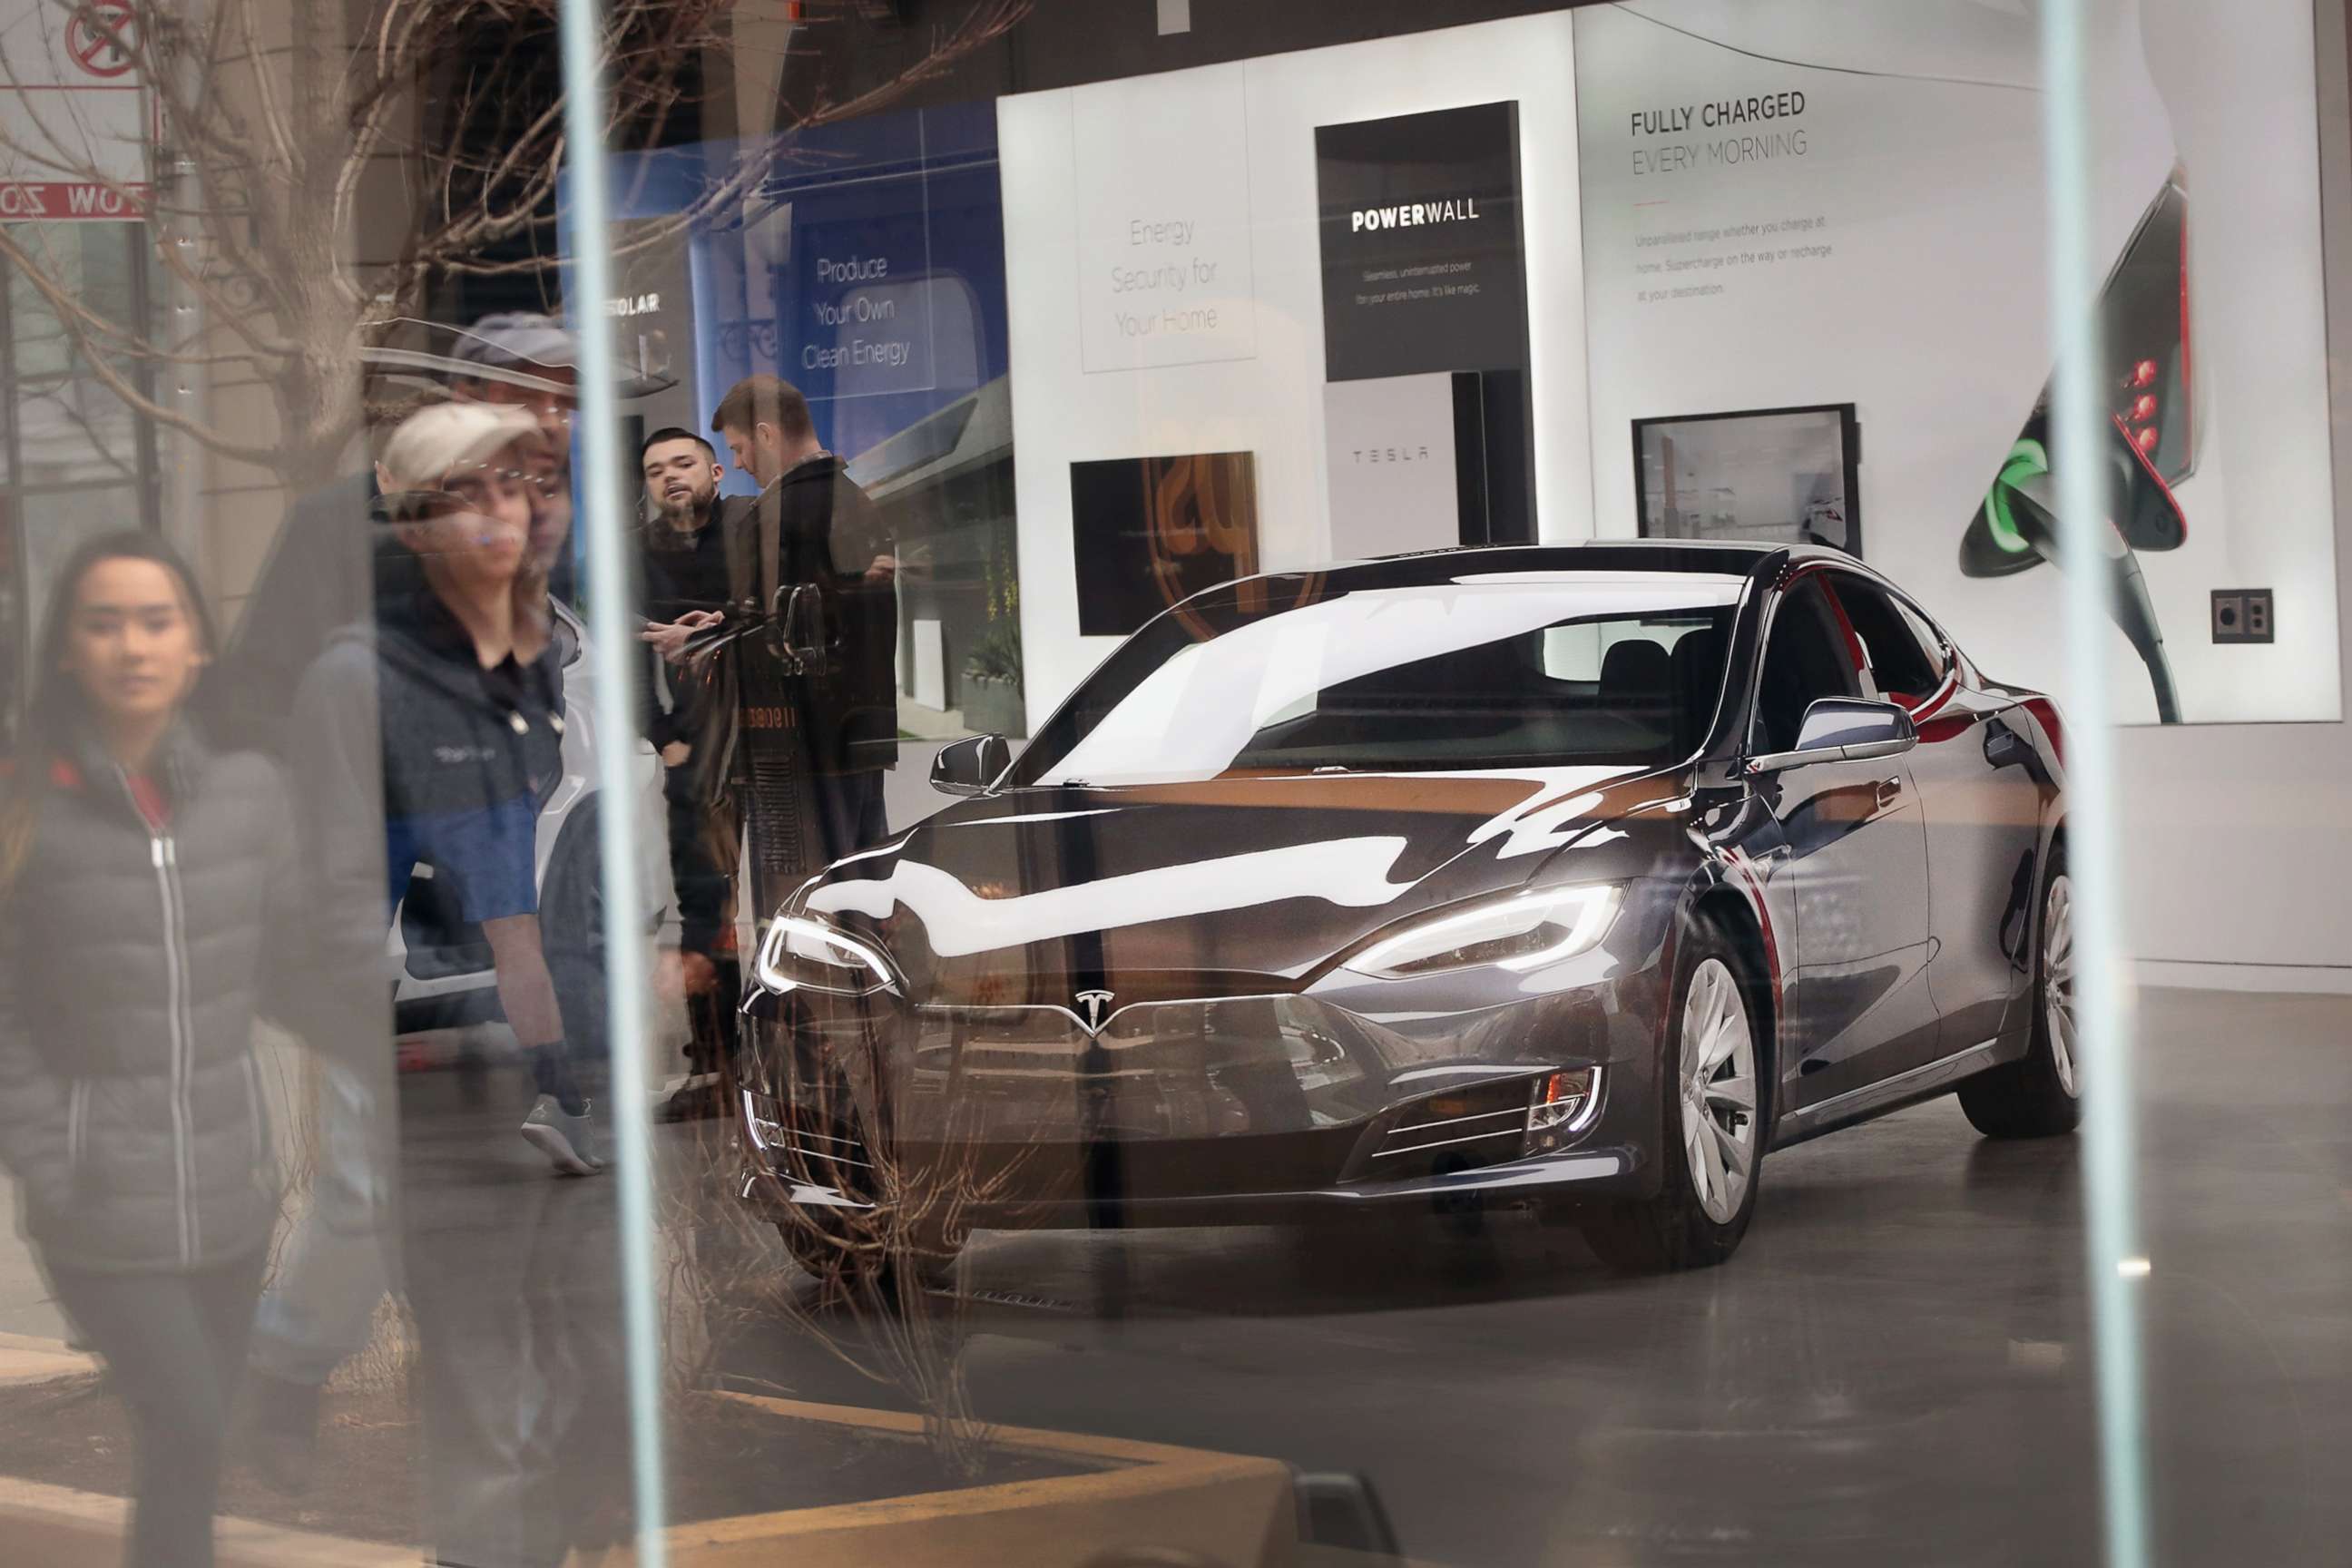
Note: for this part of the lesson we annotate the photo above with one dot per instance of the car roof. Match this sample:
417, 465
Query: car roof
1432, 568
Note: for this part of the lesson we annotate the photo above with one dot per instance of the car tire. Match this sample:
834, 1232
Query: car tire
1699, 1214
847, 1271
842, 1273
2039, 1094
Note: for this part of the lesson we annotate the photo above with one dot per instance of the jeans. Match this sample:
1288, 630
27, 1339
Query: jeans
514, 1277
174, 1348
322, 1301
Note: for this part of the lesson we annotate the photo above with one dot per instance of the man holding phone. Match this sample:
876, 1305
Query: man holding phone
811, 763
684, 572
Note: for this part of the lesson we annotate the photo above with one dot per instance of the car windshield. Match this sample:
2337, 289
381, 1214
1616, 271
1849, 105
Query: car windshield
1528, 669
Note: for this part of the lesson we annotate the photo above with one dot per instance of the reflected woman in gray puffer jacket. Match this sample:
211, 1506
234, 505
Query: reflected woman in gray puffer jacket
147, 887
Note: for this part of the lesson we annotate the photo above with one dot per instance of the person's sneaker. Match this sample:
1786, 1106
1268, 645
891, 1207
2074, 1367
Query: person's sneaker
568, 1142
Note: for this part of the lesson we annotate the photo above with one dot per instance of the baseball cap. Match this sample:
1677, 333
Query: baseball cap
517, 340
443, 437
522, 348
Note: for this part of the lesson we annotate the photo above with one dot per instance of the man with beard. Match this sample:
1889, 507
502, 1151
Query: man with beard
684, 566
812, 744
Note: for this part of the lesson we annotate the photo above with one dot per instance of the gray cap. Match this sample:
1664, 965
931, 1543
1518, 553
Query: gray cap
433, 442
517, 340
521, 348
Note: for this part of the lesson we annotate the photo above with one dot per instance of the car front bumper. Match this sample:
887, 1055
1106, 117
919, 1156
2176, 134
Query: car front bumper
1205, 1111
1586, 1175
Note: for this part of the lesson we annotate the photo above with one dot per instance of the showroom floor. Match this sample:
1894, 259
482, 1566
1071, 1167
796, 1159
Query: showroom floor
1896, 1367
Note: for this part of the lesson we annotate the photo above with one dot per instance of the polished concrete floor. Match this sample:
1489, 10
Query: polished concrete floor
1895, 1368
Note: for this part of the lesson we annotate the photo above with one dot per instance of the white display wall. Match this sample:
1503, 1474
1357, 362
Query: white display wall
1927, 314
1113, 192
1869, 231
1876, 235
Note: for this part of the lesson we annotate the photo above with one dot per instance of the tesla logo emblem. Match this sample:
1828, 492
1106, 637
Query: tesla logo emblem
1094, 1002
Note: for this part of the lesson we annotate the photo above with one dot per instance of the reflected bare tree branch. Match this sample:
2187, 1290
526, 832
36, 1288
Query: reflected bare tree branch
282, 135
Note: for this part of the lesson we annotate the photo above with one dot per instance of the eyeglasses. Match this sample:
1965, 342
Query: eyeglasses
473, 491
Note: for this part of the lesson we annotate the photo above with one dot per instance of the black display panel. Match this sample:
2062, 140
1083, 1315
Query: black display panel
1423, 264
1150, 531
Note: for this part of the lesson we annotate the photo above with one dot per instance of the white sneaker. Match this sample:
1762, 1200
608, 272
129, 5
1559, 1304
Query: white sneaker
568, 1142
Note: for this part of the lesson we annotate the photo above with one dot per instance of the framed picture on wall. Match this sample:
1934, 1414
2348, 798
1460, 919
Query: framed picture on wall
1764, 475
1151, 531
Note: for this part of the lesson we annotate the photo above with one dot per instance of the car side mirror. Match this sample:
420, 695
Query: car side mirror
1844, 730
970, 766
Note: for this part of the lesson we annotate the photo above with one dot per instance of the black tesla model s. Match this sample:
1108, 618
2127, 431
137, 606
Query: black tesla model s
1574, 877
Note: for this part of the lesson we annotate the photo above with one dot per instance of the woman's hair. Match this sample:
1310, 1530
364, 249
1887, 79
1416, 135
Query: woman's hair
58, 703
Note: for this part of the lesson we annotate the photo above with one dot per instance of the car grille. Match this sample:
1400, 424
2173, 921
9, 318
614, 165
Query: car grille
1460, 1130
1158, 1072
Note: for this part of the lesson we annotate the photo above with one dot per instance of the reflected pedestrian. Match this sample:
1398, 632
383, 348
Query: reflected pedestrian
430, 747
149, 893
813, 527
685, 563
812, 741
461, 697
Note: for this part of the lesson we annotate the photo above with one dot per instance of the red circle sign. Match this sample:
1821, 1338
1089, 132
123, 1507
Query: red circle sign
92, 38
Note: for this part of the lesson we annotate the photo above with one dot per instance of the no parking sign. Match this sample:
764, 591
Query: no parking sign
99, 38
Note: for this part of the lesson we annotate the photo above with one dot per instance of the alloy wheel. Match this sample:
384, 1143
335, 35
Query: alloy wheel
1717, 1087
2058, 979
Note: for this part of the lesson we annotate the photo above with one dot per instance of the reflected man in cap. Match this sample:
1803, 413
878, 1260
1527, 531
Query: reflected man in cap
458, 692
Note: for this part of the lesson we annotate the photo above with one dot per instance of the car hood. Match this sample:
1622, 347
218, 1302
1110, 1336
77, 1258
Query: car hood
1231, 887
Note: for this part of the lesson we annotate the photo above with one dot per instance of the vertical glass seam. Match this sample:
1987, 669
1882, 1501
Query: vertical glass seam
615, 645
2110, 1217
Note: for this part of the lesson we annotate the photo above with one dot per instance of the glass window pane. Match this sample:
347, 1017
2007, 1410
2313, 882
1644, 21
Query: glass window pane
982, 768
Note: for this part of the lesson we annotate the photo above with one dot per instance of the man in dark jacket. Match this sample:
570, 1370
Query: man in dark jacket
838, 722
684, 568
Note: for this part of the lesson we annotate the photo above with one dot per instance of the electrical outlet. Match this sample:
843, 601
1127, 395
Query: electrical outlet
2244, 615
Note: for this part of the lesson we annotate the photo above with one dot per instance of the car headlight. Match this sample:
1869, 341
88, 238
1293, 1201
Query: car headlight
800, 954
1524, 931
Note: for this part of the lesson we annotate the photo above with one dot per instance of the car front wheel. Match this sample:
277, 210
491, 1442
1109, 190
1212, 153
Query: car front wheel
851, 1266
1712, 1095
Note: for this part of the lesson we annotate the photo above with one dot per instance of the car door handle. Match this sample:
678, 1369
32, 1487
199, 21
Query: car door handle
1889, 792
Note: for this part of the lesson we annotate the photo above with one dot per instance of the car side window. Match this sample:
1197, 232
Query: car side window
1898, 662
1931, 641
1805, 659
